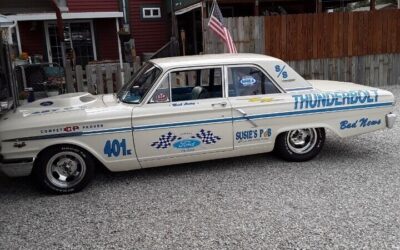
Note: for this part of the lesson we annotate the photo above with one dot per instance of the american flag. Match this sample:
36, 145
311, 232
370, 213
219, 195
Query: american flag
216, 25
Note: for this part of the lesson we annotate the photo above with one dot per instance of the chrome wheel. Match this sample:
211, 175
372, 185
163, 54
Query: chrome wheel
65, 169
301, 141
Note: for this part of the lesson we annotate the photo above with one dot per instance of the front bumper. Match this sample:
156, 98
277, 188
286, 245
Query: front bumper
16, 167
390, 119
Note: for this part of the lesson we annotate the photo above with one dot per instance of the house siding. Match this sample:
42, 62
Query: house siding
149, 35
106, 39
92, 5
32, 37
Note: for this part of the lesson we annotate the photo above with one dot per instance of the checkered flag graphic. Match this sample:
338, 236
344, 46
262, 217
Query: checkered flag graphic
207, 137
165, 141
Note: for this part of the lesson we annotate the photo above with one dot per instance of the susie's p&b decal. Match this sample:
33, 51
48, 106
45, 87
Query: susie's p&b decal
253, 135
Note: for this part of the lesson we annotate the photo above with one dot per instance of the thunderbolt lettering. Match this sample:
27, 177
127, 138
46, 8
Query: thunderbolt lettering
327, 99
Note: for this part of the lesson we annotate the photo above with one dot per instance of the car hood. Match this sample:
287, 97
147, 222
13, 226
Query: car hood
59, 110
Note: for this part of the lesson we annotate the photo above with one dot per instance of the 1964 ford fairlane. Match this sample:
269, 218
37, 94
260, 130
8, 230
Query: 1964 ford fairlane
186, 109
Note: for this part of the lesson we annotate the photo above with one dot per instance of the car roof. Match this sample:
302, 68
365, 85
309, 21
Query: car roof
210, 59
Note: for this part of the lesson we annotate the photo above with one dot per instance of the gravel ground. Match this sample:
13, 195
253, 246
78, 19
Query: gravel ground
348, 197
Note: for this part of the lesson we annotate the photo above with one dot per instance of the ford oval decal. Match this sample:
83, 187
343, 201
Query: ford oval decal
186, 143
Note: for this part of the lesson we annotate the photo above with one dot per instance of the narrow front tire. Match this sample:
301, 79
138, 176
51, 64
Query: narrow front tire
63, 169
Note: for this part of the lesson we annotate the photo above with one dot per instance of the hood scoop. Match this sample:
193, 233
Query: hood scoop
59, 104
62, 101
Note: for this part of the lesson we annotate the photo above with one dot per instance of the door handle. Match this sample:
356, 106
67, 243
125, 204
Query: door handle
244, 114
223, 104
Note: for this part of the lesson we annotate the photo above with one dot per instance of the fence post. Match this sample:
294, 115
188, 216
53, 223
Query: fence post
118, 78
109, 80
90, 79
99, 79
79, 78
127, 73
136, 64
69, 79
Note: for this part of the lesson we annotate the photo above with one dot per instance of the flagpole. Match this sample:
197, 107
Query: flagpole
212, 10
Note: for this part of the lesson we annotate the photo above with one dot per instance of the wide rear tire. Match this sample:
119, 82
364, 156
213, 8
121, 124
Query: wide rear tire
300, 144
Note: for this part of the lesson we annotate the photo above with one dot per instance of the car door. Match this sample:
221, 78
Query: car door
187, 114
252, 95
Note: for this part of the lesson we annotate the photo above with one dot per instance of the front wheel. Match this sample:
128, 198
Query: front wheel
300, 144
64, 169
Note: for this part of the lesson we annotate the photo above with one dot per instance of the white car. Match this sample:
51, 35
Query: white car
186, 109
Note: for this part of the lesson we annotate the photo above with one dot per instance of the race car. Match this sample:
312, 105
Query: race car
186, 109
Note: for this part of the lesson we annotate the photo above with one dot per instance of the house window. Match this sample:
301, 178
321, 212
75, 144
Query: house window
151, 12
79, 42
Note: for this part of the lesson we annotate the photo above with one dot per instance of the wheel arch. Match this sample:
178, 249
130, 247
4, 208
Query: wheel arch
81, 146
304, 126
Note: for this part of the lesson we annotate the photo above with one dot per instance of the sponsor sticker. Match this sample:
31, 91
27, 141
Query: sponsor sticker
186, 141
253, 135
187, 144
248, 81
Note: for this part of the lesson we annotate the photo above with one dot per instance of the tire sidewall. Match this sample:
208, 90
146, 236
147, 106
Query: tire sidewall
46, 184
285, 151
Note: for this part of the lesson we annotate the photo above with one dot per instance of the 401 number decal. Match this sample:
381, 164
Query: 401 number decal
115, 147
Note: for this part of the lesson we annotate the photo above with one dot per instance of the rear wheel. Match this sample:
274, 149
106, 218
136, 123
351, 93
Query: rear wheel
300, 144
64, 169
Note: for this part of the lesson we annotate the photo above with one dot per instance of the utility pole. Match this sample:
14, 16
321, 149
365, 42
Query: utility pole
318, 6
372, 5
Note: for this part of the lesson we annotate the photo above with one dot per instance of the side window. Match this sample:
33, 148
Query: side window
162, 94
196, 84
245, 81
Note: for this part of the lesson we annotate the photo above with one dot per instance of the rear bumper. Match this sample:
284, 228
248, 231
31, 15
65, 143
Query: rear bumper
390, 119
16, 167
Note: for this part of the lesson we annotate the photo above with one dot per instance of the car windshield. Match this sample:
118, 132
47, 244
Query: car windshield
136, 89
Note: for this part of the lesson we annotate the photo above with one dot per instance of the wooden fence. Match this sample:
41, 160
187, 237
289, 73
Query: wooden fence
372, 70
247, 33
312, 36
99, 78
332, 35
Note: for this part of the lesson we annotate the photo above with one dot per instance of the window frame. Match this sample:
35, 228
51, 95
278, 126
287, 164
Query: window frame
168, 74
151, 8
228, 66
48, 24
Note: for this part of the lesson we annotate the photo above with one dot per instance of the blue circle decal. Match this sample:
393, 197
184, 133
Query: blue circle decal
248, 81
48, 103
